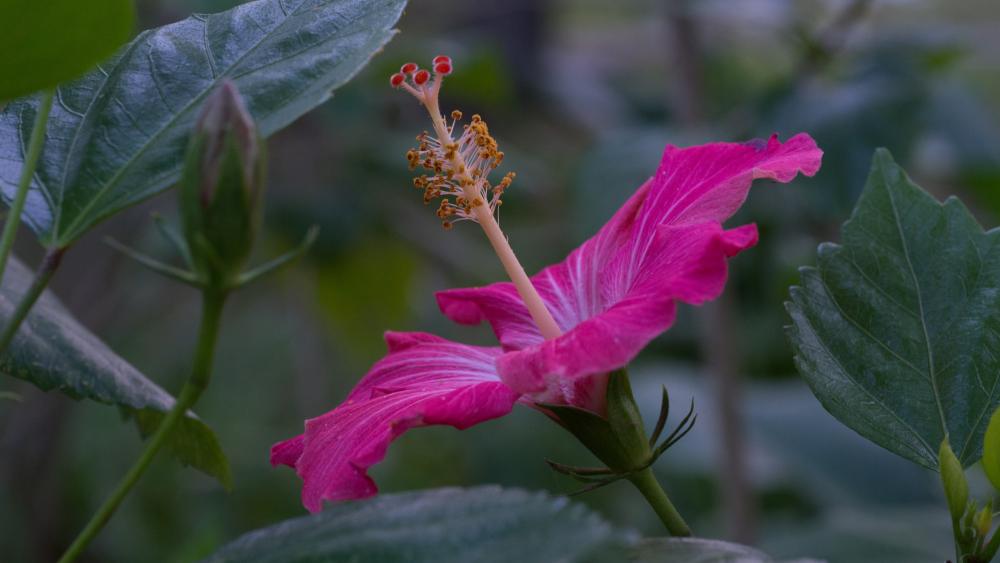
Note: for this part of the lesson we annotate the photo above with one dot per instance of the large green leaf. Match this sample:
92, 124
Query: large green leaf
482, 524
45, 43
896, 330
54, 351
117, 135
696, 550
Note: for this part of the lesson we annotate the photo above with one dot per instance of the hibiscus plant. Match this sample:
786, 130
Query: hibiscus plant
895, 329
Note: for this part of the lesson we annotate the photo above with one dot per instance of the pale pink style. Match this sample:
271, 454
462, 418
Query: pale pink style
610, 297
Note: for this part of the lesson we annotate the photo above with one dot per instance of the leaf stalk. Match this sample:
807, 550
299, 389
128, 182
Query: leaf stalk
50, 263
27, 172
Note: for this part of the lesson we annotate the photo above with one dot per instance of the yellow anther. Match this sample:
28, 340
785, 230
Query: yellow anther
458, 169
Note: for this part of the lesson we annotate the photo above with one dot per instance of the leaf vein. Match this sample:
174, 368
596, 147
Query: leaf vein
920, 304
867, 333
928, 451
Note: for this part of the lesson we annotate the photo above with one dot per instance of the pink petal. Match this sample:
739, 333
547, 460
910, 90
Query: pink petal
288, 451
570, 289
687, 263
424, 380
710, 182
598, 291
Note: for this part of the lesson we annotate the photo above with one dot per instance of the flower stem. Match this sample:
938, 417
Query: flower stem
30, 162
212, 304
657, 498
50, 263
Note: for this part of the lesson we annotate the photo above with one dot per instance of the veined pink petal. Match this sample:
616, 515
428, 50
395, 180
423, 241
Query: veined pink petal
288, 451
687, 263
571, 289
710, 182
424, 380
668, 237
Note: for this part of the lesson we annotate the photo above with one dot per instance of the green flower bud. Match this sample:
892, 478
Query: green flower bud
221, 187
984, 520
956, 489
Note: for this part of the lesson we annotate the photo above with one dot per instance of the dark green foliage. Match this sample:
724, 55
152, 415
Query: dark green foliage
118, 135
55, 352
895, 329
50, 42
483, 524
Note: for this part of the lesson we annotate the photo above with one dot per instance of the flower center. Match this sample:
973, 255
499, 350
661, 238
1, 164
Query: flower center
459, 170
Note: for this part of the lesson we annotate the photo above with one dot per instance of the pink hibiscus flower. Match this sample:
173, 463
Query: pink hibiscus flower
607, 300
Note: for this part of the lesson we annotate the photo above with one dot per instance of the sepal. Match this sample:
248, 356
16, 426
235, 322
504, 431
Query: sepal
172, 272
624, 417
619, 440
192, 278
266, 268
175, 238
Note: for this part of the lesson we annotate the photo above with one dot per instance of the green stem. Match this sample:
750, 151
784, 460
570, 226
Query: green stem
650, 488
50, 263
955, 531
201, 372
991, 548
27, 172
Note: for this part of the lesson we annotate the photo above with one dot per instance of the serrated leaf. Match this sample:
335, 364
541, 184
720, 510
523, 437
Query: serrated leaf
896, 329
482, 524
696, 550
46, 43
54, 351
991, 450
117, 135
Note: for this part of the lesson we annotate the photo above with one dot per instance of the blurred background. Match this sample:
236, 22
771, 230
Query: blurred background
582, 95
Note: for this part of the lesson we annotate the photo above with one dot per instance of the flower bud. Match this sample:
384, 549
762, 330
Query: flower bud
956, 488
221, 187
984, 520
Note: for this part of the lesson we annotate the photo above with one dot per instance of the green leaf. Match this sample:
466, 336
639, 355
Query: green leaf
896, 330
117, 135
695, 550
50, 42
54, 351
991, 450
482, 524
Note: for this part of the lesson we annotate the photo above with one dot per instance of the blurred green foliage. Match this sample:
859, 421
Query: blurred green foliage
582, 95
